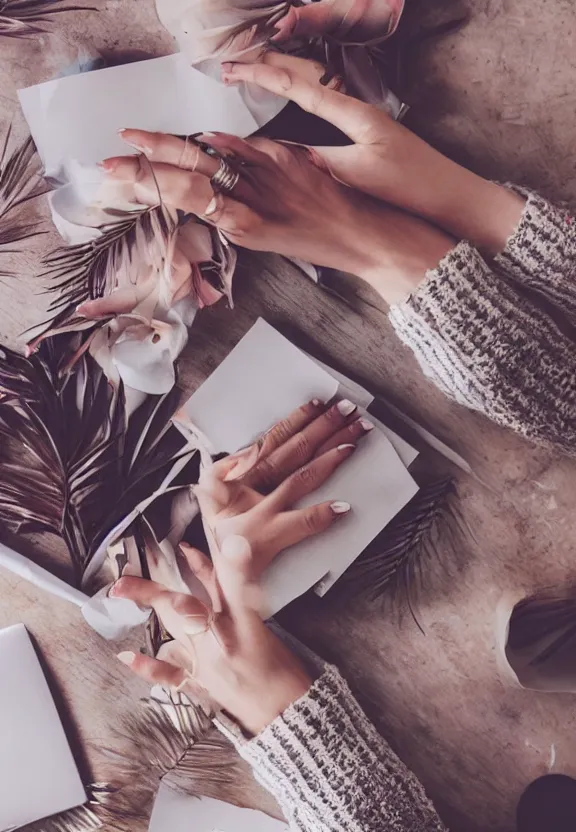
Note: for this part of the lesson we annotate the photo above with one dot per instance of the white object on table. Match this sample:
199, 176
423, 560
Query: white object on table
38, 775
263, 379
77, 117
175, 812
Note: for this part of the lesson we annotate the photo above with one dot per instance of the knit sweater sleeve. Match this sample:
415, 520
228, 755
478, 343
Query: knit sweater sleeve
487, 344
541, 254
331, 771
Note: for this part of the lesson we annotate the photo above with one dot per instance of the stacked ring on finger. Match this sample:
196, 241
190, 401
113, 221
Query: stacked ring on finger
225, 179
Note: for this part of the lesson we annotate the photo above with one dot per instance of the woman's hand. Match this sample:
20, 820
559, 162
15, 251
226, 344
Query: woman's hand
388, 161
223, 656
253, 494
282, 202
221, 650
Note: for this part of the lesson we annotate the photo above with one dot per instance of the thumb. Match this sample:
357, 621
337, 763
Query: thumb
236, 576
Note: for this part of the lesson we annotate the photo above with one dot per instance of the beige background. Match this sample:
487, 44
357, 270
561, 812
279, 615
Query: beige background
499, 95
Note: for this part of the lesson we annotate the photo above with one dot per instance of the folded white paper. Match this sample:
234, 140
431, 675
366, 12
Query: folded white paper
38, 776
174, 812
263, 379
77, 117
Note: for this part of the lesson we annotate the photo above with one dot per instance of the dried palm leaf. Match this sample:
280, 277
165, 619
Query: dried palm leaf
19, 178
22, 18
393, 563
174, 744
93, 270
82, 819
80, 466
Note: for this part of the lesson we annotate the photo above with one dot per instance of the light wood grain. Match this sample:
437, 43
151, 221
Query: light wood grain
500, 95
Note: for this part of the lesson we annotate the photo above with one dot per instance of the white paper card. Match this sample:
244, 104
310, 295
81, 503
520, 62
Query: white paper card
174, 812
78, 116
263, 379
38, 776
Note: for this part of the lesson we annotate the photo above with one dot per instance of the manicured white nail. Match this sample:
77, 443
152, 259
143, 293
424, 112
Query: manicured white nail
340, 508
316, 402
346, 407
366, 425
345, 447
126, 658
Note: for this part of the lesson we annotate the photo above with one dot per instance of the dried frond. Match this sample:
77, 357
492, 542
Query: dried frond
92, 270
80, 466
394, 562
81, 819
173, 743
19, 178
22, 18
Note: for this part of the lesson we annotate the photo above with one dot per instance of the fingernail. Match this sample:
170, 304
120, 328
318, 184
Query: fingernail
201, 136
346, 407
195, 625
366, 425
340, 508
228, 68
126, 658
113, 591
346, 447
109, 165
316, 402
79, 311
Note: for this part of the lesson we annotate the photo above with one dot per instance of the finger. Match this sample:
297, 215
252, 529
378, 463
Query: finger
235, 147
182, 615
274, 438
154, 182
293, 527
187, 191
300, 448
306, 479
155, 671
142, 592
279, 74
203, 569
352, 433
162, 147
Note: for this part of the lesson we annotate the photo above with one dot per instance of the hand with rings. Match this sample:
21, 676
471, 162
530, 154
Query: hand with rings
222, 652
263, 195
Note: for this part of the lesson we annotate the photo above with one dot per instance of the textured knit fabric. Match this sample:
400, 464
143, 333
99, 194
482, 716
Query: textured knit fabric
331, 771
480, 337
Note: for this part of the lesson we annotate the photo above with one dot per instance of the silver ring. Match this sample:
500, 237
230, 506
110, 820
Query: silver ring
225, 179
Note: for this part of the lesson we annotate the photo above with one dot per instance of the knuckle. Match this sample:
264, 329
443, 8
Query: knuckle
281, 433
306, 476
313, 521
302, 446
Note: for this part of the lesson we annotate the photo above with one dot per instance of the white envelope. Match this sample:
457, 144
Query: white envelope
174, 812
263, 379
78, 116
38, 776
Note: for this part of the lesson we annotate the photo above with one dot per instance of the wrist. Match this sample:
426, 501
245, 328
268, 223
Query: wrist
395, 250
258, 709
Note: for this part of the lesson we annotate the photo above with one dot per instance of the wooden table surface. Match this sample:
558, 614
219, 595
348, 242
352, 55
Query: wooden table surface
498, 94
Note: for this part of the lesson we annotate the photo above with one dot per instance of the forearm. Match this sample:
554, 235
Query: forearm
489, 347
332, 772
455, 199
